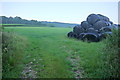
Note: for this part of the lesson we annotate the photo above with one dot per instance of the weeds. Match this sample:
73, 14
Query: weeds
12, 52
111, 58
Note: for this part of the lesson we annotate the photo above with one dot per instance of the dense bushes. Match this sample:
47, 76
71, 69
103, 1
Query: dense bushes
112, 55
12, 51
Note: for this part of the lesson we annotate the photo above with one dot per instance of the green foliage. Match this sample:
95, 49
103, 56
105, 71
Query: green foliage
18, 20
111, 58
12, 52
112, 40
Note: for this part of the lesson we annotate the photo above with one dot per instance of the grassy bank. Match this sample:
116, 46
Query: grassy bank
13, 47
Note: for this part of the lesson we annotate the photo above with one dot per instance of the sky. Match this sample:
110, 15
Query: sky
67, 12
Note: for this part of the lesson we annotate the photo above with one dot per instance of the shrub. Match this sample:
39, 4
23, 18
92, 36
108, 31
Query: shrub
112, 55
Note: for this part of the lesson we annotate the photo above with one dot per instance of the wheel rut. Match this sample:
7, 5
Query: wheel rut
75, 63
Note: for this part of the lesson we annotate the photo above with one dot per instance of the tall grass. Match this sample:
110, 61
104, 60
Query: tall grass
12, 52
111, 58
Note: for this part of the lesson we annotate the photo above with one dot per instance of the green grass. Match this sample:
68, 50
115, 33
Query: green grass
12, 24
50, 47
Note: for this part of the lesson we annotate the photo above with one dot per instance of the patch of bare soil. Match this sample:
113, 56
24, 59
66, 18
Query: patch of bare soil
31, 69
28, 71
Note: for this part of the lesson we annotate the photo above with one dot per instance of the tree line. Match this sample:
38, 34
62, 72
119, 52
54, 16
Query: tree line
11, 21
19, 20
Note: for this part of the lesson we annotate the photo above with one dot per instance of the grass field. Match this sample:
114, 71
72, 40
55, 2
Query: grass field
12, 24
51, 54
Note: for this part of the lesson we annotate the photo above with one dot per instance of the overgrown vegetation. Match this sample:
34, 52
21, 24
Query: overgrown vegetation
112, 55
13, 47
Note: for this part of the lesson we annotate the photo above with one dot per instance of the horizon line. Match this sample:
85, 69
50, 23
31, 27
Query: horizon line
42, 20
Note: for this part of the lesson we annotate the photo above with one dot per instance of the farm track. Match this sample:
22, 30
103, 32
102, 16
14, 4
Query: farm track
75, 67
33, 67
30, 72
75, 64
60, 56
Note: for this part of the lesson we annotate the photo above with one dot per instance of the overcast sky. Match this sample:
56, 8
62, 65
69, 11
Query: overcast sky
68, 12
